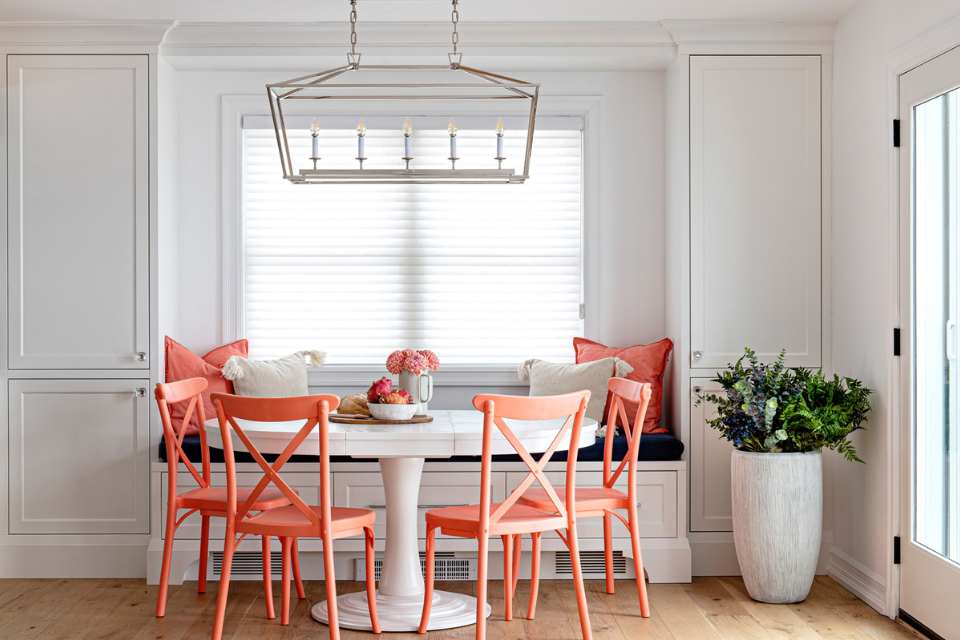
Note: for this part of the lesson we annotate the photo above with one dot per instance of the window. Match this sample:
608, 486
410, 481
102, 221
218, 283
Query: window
485, 275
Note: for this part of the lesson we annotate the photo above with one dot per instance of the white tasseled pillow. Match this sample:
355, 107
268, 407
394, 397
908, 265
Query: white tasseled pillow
550, 378
272, 378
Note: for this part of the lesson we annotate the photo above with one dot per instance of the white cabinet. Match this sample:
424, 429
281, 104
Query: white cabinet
78, 222
755, 208
710, 508
656, 502
445, 489
79, 456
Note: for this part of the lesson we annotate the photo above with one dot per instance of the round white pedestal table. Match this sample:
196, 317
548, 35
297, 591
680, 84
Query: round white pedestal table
401, 450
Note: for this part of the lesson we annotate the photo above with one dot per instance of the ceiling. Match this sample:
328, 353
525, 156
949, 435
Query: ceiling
428, 10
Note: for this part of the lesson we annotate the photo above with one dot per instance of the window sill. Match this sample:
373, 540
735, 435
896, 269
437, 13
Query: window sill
362, 376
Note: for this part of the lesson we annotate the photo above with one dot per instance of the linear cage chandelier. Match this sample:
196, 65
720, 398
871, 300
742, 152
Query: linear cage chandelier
453, 82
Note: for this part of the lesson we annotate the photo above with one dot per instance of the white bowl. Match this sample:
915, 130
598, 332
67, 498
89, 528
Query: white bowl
392, 411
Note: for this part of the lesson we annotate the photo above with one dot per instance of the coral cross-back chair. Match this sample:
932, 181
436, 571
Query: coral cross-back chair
508, 519
606, 501
298, 519
207, 500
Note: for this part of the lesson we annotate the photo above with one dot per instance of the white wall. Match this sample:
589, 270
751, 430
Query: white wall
864, 273
629, 196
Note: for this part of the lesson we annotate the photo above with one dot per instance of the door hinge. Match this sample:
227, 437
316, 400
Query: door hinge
583, 311
896, 549
896, 341
896, 132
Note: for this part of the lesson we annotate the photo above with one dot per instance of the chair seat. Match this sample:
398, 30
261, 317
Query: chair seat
215, 498
464, 521
587, 499
290, 521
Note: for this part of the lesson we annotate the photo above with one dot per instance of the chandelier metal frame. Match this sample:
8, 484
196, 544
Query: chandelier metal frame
479, 85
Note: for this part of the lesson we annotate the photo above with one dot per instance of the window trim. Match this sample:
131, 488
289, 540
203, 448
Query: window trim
233, 108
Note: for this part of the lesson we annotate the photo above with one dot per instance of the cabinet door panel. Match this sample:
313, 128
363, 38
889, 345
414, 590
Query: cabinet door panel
79, 456
437, 489
656, 502
710, 506
78, 211
755, 208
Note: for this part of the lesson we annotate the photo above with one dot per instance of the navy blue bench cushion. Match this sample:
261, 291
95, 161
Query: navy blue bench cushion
653, 447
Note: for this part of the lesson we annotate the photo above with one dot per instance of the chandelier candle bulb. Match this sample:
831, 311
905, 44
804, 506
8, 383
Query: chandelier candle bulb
315, 142
361, 134
452, 130
407, 132
499, 158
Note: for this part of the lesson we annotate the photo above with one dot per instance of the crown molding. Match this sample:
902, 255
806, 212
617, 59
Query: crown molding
378, 35
701, 32
143, 33
515, 45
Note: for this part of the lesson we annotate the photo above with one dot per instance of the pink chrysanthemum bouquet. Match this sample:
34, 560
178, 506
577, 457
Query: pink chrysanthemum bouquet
412, 361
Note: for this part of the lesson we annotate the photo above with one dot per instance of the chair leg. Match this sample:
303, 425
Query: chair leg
301, 594
228, 548
608, 550
638, 562
371, 580
507, 577
267, 576
516, 560
482, 548
534, 576
286, 545
169, 534
333, 620
204, 554
574, 547
428, 583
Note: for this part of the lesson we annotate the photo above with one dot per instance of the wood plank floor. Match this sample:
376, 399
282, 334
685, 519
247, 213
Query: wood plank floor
710, 608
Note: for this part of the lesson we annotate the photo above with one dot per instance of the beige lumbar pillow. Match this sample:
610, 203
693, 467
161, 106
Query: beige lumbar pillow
272, 378
550, 378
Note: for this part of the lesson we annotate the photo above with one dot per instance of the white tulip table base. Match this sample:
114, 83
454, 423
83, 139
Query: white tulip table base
400, 596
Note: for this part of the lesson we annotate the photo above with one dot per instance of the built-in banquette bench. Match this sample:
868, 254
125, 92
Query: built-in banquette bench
661, 494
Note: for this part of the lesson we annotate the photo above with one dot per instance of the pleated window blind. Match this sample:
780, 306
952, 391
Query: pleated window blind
484, 275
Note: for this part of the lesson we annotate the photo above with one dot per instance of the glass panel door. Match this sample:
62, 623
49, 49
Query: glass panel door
936, 467
929, 191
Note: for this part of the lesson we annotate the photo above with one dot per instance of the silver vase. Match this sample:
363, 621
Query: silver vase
420, 388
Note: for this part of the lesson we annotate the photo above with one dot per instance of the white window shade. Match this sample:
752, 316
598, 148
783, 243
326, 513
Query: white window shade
484, 275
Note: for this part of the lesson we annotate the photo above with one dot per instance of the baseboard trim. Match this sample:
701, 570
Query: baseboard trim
918, 626
858, 579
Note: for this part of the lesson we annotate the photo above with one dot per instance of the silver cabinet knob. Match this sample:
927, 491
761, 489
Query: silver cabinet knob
697, 355
141, 392
141, 356
697, 389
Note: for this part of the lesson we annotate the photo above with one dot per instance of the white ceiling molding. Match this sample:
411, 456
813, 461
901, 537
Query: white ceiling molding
517, 46
142, 33
514, 45
705, 32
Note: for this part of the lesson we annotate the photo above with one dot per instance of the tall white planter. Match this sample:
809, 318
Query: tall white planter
777, 520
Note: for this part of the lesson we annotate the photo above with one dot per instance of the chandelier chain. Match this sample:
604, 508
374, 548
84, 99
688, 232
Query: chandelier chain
353, 27
454, 19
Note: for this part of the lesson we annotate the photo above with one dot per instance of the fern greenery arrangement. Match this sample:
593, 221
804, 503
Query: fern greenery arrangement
772, 408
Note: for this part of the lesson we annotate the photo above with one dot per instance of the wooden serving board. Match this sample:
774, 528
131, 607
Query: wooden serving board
356, 419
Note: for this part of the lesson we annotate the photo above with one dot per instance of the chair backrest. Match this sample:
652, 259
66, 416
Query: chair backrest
496, 409
622, 390
188, 391
313, 410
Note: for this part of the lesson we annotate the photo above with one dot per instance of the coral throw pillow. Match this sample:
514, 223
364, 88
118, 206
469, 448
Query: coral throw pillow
649, 362
181, 363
